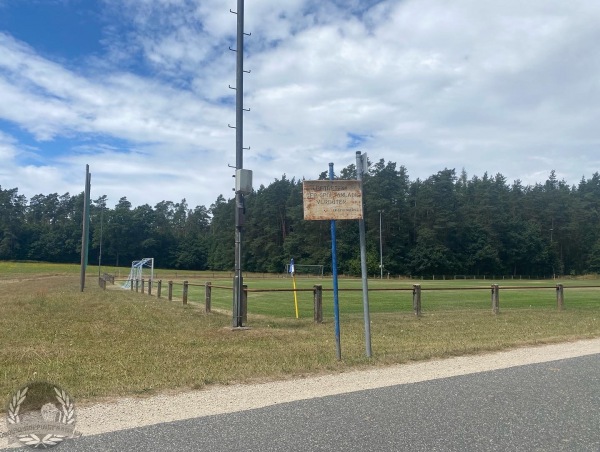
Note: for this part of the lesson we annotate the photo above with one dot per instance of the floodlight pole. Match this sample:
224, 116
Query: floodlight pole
238, 281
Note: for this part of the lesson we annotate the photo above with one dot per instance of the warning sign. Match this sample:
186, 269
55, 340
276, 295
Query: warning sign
332, 200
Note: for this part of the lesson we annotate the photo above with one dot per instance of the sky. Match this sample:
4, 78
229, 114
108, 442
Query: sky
140, 91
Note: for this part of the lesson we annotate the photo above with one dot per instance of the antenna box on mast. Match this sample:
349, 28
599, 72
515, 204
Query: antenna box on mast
243, 181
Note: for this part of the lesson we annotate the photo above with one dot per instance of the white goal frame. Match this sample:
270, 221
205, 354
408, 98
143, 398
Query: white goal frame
305, 269
137, 271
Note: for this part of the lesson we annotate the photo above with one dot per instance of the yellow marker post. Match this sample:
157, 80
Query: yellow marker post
292, 270
295, 293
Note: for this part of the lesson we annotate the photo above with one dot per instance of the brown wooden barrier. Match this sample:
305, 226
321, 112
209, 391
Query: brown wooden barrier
318, 290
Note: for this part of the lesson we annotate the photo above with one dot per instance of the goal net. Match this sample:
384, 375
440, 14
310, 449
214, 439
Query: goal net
137, 271
305, 270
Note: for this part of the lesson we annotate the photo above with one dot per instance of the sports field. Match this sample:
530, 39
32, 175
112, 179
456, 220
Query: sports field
274, 296
109, 343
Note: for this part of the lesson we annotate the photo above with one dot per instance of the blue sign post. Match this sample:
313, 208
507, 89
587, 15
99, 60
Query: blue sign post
336, 305
333, 200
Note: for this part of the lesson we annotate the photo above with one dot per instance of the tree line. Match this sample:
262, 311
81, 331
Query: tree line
446, 224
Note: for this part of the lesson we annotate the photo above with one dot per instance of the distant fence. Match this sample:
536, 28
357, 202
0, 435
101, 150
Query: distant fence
224, 275
106, 278
317, 291
480, 277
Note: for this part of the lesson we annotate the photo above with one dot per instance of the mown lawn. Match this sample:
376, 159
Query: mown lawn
117, 342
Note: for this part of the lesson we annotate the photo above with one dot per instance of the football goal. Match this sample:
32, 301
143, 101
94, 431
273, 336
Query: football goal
305, 270
137, 271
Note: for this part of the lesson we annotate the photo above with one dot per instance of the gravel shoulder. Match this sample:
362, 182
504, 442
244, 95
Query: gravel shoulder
129, 413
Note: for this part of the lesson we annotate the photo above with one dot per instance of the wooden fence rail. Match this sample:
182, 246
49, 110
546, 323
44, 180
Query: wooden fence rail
317, 290
106, 277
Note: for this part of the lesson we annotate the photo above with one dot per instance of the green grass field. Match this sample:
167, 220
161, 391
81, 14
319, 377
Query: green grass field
395, 296
99, 344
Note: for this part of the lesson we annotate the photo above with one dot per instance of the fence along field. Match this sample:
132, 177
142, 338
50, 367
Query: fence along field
274, 296
530, 311
117, 342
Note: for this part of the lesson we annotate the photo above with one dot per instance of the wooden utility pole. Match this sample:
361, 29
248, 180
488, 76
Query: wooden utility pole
85, 235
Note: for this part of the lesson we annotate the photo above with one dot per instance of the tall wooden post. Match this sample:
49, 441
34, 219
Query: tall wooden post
417, 299
170, 290
158, 288
207, 297
560, 296
318, 303
85, 234
495, 298
185, 292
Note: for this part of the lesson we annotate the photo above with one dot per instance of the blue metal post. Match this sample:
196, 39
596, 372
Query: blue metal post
336, 305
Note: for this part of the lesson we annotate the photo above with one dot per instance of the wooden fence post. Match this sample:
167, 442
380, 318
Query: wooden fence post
131, 284
318, 303
158, 288
137, 285
185, 292
170, 290
149, 287
417, 299
244, 313
207, 297
143, 285
560, 296
495, 298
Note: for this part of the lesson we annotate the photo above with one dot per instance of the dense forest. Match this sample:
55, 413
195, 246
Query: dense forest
446, 224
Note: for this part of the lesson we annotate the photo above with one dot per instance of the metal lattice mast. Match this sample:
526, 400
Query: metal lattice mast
238, 282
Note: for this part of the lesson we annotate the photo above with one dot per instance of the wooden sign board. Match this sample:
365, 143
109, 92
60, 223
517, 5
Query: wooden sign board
332, 200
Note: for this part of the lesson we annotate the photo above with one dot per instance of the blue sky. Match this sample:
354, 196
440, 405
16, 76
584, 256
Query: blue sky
60, 29
138, 89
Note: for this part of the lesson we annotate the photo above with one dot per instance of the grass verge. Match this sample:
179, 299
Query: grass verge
110, 343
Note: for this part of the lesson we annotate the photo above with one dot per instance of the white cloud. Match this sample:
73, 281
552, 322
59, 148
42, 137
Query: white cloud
7, 147
28, 179
501, 86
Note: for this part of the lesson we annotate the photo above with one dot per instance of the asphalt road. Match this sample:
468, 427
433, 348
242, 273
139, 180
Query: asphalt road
553, 406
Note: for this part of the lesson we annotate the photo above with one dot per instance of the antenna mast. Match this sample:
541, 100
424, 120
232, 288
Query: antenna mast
241, 186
